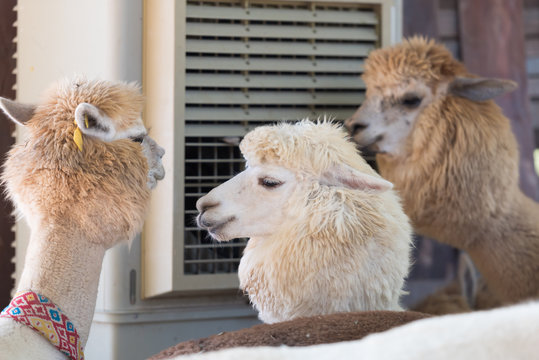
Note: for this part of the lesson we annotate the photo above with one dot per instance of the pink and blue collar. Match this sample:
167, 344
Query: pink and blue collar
42, 315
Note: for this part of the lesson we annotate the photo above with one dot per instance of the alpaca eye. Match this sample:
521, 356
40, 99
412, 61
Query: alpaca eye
411, 101
138, 139
269, 183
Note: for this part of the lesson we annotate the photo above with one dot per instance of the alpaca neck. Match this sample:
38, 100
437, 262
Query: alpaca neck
66, 270
508, 253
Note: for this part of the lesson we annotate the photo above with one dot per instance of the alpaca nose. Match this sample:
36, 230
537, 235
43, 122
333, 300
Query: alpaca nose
358, 127
354, 127
204, 204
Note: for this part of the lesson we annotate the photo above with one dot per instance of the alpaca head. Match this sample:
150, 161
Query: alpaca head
87, 163
404, 80
290, 170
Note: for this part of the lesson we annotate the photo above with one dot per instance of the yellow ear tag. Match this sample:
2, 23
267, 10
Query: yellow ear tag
77, 138
86, 121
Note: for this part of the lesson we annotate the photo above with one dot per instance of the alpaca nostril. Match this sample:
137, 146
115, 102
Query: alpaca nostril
202, 206
348, 123
201, 222
358, 127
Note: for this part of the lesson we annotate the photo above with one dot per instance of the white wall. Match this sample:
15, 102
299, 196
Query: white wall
55, 38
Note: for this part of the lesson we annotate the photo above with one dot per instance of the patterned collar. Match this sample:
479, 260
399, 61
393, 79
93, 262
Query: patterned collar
42, 315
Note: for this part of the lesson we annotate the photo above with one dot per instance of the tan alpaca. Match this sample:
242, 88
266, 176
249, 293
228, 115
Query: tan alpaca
452, 156
77, 202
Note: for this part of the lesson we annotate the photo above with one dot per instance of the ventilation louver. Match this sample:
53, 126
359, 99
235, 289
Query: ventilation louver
250, 63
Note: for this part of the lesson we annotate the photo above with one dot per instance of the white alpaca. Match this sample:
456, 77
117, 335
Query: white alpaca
82, 181
327, 234
503, 333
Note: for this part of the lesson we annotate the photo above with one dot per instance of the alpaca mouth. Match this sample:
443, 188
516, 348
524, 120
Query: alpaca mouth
369, 151
214, 229
372, 148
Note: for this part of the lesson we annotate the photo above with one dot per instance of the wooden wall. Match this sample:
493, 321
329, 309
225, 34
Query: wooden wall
448, 32
7, 83
531, 31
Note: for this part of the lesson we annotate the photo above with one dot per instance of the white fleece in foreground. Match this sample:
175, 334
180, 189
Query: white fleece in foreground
505, 333
19, 342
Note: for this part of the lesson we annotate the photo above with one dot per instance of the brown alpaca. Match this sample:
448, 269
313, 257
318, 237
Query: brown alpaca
78, 202
322, 329
453, 159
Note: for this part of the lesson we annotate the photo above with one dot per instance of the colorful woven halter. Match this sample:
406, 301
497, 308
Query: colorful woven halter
42, 315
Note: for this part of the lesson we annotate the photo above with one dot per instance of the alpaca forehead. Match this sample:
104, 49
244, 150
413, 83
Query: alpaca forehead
403, 77
387, 72
392, 91
271, 169
306, 144
414, 58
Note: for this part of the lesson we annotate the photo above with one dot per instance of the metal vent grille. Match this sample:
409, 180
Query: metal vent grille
208, 163
255, 62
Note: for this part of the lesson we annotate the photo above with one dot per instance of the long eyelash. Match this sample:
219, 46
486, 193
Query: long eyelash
269, 183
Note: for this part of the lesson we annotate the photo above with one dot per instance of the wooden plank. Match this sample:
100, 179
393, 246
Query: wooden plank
533, 88
532, 68
7, 81
453, 46
532, 47
534, 106
420, 17
531, 21
448, 23
500, 31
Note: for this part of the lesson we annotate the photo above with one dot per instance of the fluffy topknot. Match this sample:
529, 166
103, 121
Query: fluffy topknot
416, 57
121, 101
308, 146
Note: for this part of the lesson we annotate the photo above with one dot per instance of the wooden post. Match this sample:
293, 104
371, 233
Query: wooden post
7, 81
420, 17
492, 45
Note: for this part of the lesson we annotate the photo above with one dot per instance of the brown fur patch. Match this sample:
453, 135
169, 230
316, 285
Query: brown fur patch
314, 330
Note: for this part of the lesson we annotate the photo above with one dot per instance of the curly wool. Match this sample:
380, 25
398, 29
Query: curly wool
343, 250
306, 146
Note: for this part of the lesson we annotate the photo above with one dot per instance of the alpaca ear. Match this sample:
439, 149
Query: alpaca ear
345, 176
91, 121
19, 113
480, 89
